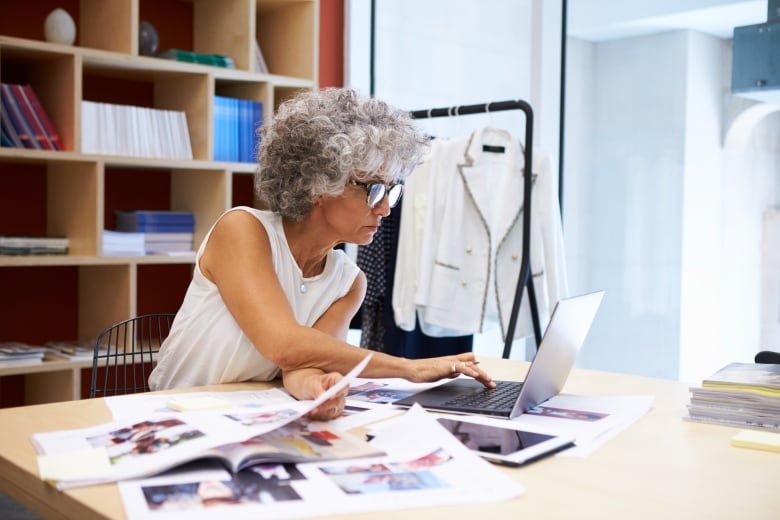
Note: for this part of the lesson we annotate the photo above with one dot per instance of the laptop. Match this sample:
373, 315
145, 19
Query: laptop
566, 332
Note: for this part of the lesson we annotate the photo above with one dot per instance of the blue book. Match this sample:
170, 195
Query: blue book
251, 119
220, 136
155, 221
226, 129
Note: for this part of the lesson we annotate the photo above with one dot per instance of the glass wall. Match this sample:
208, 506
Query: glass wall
670, 183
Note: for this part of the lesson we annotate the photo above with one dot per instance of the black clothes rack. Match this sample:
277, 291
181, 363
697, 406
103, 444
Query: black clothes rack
525, 278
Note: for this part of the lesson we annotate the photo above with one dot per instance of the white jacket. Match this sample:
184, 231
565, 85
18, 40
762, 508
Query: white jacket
460, 239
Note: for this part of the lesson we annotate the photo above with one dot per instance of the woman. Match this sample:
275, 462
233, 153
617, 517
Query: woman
269, 291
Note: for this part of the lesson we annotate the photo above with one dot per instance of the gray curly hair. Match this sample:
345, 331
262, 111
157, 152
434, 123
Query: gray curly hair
320, 139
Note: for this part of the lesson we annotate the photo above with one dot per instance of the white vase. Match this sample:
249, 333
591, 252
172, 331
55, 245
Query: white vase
59, 27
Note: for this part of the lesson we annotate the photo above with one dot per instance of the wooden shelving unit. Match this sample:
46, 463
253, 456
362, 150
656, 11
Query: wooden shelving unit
69, 193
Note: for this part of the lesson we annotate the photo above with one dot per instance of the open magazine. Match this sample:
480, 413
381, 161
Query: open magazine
424, 466
239, 437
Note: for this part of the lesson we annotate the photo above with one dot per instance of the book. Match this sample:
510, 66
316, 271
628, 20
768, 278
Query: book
17, 245
250, 120
755, 377
237, 436
213, 60
75, 350
739, 394
34, 121
19, 353
16, 116
10, 136
130, 243
259, 60
226, 129
147, 220
112, 129
236, 124
41, 118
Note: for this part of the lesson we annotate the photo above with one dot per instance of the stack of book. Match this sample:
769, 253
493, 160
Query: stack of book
17, 353
214, 60
746, 395
23, 122
111, 129
33, 245
74, 350
150, 232
236, 125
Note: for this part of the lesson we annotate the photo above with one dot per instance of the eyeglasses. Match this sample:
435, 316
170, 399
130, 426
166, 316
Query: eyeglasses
377, 191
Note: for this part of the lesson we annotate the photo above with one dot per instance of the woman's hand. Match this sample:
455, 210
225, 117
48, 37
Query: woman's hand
309, 384
433, 369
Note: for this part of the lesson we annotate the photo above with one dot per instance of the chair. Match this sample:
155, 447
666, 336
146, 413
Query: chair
125, 354
768, 356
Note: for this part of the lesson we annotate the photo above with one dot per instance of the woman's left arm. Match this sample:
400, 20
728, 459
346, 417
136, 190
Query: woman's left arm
308, 383
335, 321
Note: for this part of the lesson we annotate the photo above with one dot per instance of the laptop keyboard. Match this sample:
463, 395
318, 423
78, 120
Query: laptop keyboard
502, 397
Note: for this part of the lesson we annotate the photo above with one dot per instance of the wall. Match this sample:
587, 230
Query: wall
331, 43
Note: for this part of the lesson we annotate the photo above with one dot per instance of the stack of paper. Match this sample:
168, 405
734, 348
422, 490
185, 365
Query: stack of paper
739, 394
16, 353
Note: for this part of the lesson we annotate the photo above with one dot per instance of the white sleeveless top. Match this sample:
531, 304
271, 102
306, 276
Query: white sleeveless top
206, 345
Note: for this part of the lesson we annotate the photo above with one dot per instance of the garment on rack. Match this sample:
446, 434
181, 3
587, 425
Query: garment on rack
460, 242
375, 318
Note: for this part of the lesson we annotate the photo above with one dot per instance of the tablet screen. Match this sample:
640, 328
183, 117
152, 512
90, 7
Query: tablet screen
492, 439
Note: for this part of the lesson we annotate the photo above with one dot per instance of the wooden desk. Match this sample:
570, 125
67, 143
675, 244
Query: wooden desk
660, 467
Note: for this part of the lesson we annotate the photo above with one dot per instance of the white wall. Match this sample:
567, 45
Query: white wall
634, 124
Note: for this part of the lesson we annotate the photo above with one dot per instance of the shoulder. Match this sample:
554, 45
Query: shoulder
243, 219
348, 270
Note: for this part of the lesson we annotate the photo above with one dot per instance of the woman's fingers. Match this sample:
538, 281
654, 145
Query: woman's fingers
471, 369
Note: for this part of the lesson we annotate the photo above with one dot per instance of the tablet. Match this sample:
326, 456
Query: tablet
505, 444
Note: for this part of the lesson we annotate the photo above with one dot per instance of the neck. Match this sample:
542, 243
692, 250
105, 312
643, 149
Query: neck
307, 246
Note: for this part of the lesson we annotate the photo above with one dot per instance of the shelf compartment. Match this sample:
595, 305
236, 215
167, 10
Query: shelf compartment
107, 81
46, 197
52, 76
99, 24
204, 192
161, 287
286, 31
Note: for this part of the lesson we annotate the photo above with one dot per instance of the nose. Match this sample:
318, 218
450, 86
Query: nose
383, 208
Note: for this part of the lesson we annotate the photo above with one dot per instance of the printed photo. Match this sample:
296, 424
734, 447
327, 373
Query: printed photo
259, 484
144, 438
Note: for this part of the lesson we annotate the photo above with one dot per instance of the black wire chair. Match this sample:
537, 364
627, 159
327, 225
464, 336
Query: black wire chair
768, 356
125, 354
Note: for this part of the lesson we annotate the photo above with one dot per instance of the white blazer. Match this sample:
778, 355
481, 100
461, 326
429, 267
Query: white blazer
460, 239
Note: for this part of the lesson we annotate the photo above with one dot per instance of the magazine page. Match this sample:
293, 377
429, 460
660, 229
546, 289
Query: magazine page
298, 441
154, 442
424, 466
135, 405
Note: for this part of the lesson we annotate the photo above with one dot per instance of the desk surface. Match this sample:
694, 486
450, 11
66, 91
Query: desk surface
660, 466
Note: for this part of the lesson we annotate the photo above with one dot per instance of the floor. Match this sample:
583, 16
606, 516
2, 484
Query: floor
10, 510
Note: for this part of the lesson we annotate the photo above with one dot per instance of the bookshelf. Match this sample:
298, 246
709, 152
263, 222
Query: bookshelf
74, 194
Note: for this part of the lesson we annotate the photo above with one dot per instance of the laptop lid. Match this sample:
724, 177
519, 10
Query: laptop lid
566, 332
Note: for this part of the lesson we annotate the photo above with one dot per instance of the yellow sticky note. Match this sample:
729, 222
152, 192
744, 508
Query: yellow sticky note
757, 440
77, 465
189, 404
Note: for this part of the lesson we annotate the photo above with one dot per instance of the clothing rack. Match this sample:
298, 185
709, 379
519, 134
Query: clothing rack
525, 278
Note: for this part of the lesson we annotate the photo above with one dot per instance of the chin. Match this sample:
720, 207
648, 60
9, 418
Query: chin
364, 240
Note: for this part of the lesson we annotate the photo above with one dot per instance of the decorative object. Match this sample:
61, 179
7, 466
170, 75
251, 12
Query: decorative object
148, 39
59, 27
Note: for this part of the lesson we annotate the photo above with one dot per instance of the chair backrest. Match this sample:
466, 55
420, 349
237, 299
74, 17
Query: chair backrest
125, 354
